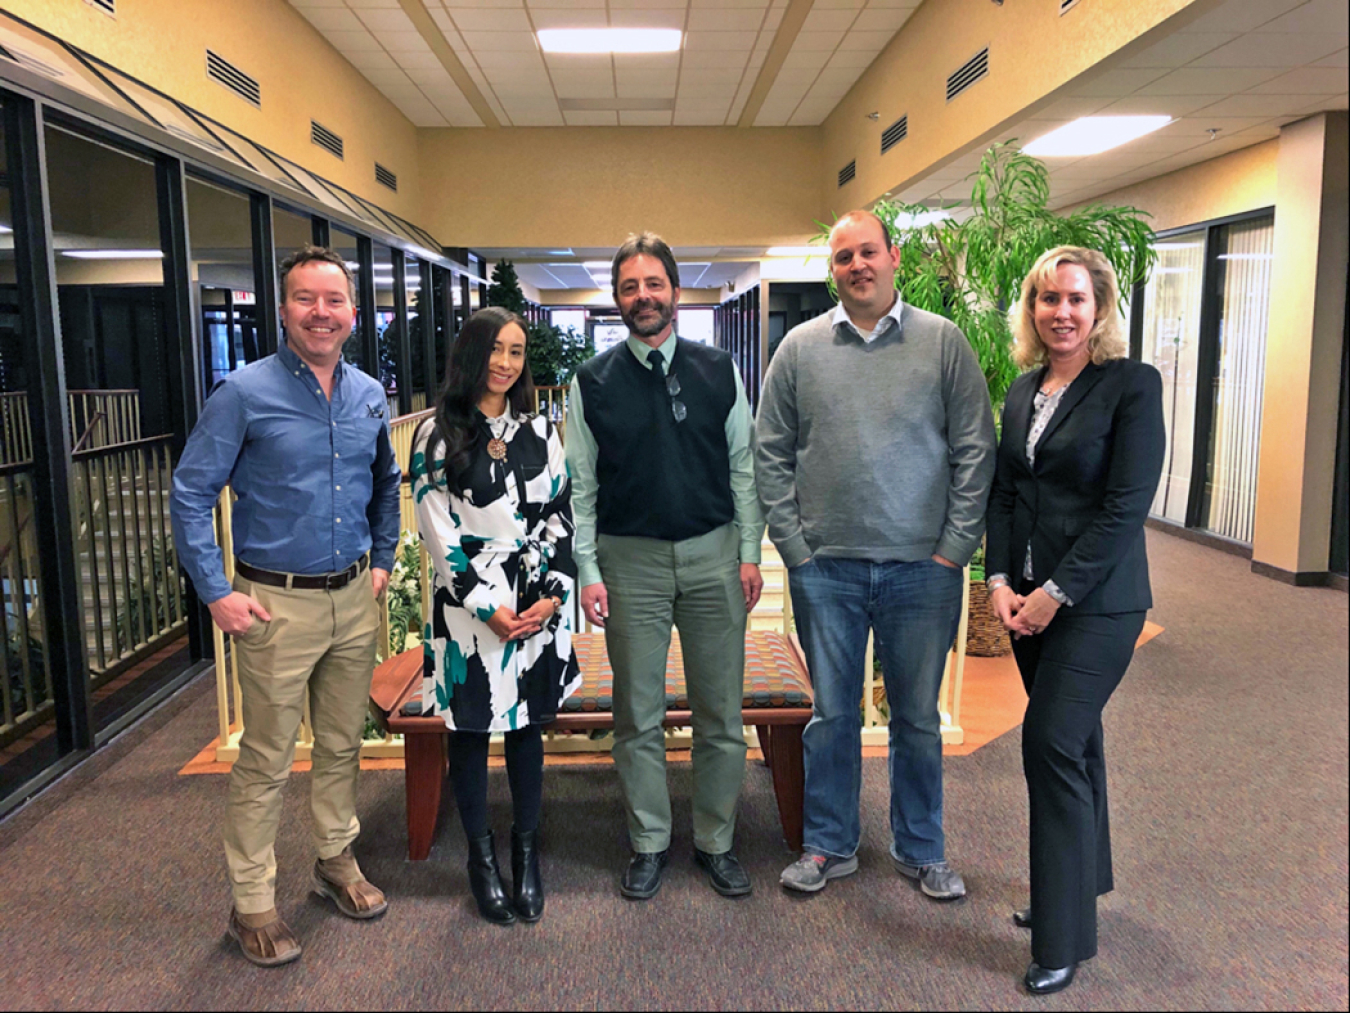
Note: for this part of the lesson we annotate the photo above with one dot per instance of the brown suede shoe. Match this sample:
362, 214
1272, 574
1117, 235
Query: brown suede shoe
345, 885
270, 945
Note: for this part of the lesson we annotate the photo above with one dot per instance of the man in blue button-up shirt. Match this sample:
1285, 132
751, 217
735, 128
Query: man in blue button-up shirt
303, 441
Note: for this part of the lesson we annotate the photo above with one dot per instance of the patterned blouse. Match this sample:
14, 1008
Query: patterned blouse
507, 542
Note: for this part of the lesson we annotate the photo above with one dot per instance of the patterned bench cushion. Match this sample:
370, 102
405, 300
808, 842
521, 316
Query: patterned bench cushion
773, 675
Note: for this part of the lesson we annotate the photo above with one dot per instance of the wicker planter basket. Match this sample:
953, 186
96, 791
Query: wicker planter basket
985, 635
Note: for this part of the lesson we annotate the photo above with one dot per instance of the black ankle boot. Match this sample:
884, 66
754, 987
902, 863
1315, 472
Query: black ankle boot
485, 880
528, 887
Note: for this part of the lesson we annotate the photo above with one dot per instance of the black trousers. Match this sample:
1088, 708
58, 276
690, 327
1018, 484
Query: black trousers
524, 772
1069, 672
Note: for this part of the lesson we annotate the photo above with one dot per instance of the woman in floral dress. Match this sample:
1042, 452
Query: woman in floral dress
494, 513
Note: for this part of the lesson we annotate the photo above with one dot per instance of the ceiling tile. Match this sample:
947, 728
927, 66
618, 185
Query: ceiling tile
1156, 105
1116, 83
852, 59
402, 41
1320, 17
353, 42
761, 4
693, 91
698, 119
718, 41
647, 63
580, 18
805, 60
385, 79
491, 20
817, 42
836, 5
873, 41
441, 17
582, 86
826, 20
1305, 81
1241, 15
1208, 81
502, 58
501, 42
1275, 50
1070, 108
328, 19
733, 19
664, 17
1260, 105
700, 59
882, 19
386, 20
1200, 124
772, 20
768, 118
633, 118
650, 86
1179, 49
418, 60
373, 59
538, 118
1341, 59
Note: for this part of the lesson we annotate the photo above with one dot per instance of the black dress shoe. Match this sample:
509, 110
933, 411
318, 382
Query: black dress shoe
1044, 980
1022, 919
724, 872
642, 878
527, 886
485, 881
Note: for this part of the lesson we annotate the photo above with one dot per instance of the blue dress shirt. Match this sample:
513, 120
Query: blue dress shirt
317, 480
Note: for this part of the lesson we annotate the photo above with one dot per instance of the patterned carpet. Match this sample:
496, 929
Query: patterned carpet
1228, 758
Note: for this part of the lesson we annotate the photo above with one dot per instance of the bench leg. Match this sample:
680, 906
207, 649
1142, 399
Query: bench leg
789, 778
424, 762
765, 734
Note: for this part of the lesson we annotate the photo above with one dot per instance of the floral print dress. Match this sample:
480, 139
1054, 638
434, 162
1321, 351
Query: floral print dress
506, 542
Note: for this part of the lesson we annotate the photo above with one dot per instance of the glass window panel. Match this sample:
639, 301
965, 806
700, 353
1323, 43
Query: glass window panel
220, 237
38, 54
1171, 342
345, 243
443, 302
386, 334
1246, 258
417, 305
570, 318
110, 277
255, 157
316, 186
696, 325
171, 117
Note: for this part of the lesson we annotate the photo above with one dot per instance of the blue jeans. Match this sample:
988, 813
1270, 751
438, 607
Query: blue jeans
914, 610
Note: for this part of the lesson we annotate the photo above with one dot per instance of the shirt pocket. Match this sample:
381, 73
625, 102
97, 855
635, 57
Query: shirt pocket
357, 438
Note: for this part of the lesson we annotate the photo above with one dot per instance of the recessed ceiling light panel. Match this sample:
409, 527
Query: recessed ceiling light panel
1091, 135
114, 254
610, 40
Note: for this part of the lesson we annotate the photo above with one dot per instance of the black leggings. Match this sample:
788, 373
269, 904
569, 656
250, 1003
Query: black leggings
524, 769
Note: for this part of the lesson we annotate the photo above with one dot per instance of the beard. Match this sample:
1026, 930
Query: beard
665, 312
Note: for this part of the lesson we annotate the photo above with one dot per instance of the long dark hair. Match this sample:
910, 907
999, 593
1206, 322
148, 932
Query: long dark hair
455, 424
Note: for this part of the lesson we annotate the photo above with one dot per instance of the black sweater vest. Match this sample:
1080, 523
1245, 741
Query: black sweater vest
659, 478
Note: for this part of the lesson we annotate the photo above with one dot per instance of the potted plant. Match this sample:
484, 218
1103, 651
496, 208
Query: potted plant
967, 263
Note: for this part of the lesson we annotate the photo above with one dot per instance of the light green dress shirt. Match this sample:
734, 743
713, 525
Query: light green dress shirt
581, 456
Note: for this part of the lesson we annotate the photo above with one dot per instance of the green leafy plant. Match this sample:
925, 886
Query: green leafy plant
148, 595
555, 355
969, 268
505, 290
404, 597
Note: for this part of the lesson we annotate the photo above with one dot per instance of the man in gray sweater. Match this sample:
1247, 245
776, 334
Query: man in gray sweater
874, 459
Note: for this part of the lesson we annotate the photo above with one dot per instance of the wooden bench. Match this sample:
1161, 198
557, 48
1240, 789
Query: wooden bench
777, 705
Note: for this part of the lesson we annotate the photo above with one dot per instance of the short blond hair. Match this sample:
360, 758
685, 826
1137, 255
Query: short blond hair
1106, 340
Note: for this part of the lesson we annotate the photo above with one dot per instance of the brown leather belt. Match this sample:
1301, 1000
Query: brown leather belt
315, 582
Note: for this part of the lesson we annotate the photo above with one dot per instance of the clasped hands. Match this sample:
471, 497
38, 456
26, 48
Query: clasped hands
510, 626
1023, 615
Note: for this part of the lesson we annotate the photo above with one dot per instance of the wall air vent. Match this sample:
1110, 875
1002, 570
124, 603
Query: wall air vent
974, 69
108, 7
222, 71
31, 62
894, 134
325, 138
385, 177
847, 173
1066, 5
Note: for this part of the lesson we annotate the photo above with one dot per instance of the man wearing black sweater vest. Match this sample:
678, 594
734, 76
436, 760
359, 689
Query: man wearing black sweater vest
874, 460
668, 531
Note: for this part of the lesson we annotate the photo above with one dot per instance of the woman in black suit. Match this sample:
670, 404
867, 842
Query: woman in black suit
1078, 465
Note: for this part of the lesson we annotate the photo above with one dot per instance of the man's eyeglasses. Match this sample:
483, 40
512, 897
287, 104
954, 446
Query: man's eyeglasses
677, 407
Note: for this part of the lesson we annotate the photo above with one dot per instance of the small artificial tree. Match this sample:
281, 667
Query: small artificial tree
970, 269
505, 290
553, 354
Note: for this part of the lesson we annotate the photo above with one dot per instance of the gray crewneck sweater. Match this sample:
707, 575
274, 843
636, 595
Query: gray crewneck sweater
881, 450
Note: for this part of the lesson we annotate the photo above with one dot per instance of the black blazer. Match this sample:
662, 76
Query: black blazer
1082, 507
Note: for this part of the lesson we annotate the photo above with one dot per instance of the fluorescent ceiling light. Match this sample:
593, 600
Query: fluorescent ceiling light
610, 40
114, 254
797, 251
1246, 256
597, 265
5, 230
1092, 135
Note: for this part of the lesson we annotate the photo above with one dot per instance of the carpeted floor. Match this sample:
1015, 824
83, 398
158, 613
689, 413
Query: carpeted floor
1228, 756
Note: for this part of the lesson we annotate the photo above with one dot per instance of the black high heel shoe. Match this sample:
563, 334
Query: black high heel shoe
1044, 980
485, 881
527, 885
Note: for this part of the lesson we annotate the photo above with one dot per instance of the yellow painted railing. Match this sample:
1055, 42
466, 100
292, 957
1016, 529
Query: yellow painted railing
98, 418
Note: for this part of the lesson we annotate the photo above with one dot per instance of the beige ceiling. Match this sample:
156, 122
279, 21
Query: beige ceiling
1242, 71
468, 63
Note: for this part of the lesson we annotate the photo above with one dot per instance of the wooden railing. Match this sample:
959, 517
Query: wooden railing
26, 679
552, 402
132, 589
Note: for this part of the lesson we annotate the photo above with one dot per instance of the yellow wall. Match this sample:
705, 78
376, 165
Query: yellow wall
1033, 53
696, 186
1228, 185
164, 42
1303, 347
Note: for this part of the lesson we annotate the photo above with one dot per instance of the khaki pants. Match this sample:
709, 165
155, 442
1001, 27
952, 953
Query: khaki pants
323, 641
695, 585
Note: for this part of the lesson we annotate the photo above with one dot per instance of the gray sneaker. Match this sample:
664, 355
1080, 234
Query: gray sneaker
811, 872
939, 881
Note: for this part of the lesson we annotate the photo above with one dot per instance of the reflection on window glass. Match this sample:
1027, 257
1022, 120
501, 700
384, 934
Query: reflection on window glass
43, 56
109, 275
290, 232
386, 333
1171, 343
220, 237
696, 324
573, 318
345, 243
417, 306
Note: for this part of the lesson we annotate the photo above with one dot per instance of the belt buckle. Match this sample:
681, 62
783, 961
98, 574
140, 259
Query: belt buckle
336, 581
